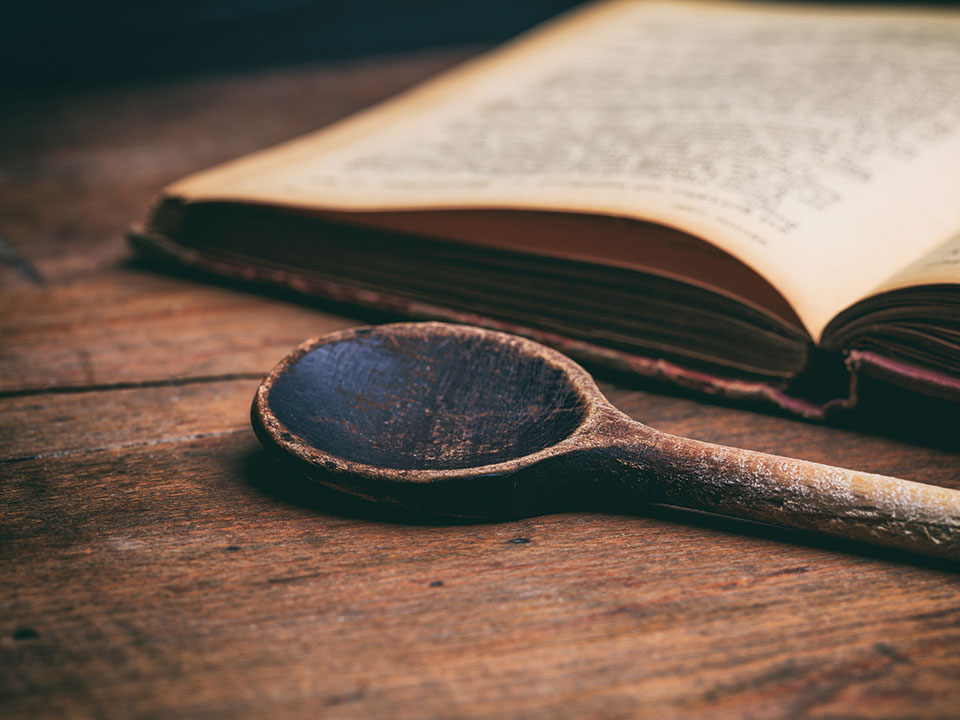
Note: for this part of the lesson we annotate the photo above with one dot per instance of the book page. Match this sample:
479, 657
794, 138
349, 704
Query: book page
618, 242
941, 266
820, 146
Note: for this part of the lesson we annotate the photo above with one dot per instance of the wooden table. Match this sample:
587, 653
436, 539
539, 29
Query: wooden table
155, 563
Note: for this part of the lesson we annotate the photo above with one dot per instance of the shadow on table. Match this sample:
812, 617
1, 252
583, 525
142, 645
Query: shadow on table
275, 480
272, 478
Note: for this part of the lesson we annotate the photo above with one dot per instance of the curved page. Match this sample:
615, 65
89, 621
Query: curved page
819, 146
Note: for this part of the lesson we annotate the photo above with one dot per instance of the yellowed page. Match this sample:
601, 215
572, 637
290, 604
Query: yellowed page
938, 267
820, 146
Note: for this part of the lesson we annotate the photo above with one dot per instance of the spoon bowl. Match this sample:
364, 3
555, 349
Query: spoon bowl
428, 397
461, 421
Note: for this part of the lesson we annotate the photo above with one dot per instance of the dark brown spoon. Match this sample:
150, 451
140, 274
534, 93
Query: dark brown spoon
457, 420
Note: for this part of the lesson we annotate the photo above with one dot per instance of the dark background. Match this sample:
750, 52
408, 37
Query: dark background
49, 45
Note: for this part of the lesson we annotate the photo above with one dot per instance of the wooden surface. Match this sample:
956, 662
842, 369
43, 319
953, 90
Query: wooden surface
154, 562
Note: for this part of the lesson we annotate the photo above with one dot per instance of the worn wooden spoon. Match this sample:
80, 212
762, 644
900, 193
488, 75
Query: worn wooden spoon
461, 421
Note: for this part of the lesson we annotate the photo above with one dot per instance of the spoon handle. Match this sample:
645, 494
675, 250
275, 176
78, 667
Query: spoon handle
810, 496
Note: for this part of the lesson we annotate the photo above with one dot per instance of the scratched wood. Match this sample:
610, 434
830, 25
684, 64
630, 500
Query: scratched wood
154, 562
192, 565
138, 326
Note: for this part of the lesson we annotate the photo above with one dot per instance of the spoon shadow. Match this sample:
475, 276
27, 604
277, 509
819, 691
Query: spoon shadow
273, 479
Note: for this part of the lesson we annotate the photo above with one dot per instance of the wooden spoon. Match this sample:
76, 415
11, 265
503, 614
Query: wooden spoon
457, 420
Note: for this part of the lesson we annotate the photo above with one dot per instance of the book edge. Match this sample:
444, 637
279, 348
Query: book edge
152, 245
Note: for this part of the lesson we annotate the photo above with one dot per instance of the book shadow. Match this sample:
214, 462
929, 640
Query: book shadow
272, 479
883, 410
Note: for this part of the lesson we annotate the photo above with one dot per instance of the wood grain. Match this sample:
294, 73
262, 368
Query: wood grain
140, 327
195, 566
154, 562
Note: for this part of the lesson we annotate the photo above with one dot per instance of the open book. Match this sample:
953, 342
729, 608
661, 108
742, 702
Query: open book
747, 199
